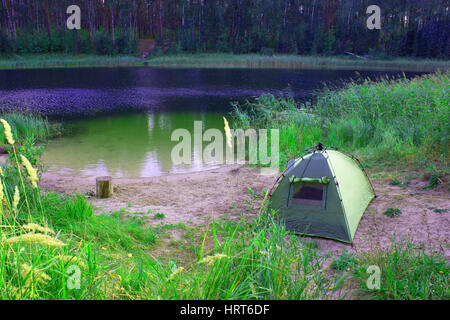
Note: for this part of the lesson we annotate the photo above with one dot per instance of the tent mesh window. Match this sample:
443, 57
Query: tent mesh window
310, 195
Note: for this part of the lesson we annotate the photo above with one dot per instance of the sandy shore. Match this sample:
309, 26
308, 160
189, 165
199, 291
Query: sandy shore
191, 198
194, 198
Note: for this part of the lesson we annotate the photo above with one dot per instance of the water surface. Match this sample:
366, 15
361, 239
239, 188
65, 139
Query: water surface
92, 91
123, 118
128, 145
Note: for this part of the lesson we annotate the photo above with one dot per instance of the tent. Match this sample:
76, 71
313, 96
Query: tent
323, 193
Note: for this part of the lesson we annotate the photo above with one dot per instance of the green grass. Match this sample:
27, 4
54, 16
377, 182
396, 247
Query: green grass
392, 212
27, 126
47, 239
345, 261
396, 182
406, 273
120, 256
159, 215
218, 60
116, 257
293, 62
66, 61
384, 122
245, 260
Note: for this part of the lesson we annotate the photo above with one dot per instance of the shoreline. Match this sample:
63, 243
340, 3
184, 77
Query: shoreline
146, 197
223, 61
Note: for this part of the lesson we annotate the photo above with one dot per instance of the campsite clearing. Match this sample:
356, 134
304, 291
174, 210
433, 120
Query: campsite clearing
226, 192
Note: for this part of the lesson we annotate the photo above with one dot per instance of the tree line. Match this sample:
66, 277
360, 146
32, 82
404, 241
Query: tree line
325, 27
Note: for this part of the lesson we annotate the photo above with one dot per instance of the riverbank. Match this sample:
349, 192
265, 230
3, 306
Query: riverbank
252, 61
142, 244
296, 62
159, 238
38, 61
384, 123
146, 197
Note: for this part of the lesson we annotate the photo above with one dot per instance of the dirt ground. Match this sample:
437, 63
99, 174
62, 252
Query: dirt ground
189, 198
194, 198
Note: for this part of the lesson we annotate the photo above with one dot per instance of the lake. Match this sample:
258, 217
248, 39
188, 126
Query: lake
123, 118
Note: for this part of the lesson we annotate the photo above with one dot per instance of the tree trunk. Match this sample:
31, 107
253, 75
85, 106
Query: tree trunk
37, 16
104, 187
47, 21
112, 25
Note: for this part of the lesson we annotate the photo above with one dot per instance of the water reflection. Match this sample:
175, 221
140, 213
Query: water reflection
131, 145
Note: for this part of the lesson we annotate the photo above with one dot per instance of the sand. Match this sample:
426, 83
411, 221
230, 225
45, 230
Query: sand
194, 198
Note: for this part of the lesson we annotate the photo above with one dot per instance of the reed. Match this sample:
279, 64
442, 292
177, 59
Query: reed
256, 61
222, 60
399, 121
66, 61
23, 126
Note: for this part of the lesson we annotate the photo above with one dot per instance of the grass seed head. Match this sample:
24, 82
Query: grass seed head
33, 227
31, 171
8, 133
36, 238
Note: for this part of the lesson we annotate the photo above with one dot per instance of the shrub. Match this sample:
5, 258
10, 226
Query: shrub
103, 43
392, 212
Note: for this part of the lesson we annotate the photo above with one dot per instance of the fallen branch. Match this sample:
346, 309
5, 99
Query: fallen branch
355, 55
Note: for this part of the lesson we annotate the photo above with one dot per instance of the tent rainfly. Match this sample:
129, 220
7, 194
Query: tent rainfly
323, 193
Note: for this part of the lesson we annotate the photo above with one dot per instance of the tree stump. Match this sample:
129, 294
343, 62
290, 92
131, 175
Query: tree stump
104, 187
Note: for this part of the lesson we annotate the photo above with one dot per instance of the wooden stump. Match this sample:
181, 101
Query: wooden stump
104, 187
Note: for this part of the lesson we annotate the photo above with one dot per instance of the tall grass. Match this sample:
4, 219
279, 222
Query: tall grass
66, 61
222, 60
255, 61
406, 273
48, 240
25, 126
397, 118
405, 121
248, 261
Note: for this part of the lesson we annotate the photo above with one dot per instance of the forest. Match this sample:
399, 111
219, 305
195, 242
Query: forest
415, 28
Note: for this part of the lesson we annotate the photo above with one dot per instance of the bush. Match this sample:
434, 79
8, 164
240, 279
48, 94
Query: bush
121, 44
6, 45
267, 51
103, 43
392, 212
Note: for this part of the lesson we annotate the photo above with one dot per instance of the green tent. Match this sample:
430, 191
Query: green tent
323, 193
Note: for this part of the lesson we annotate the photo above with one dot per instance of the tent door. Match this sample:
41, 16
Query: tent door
311, 195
